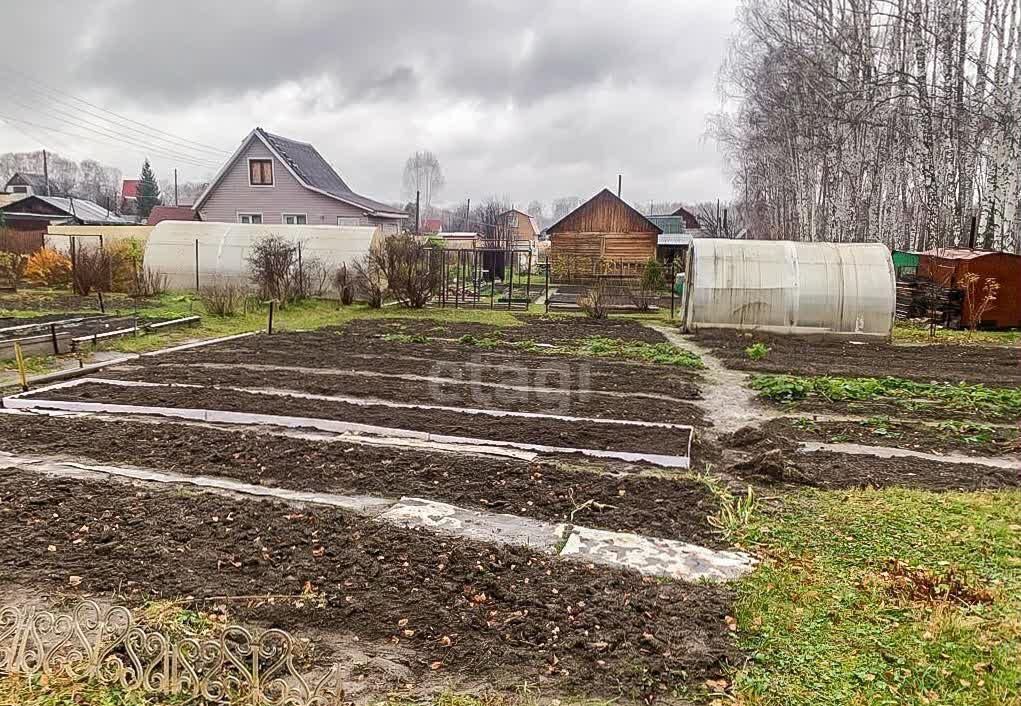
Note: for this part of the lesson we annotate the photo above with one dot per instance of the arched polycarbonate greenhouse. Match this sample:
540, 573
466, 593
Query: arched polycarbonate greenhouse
789, 287
180, 249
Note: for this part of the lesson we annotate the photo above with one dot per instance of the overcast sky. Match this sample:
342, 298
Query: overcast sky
518, 98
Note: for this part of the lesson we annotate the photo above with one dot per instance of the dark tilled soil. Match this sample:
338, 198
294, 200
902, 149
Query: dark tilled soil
774, 460
541, 329
661, 507
499, 614
996, 366
903, 435
88, 326
459, 395
68, 302
322, 349
549, 432
7, 321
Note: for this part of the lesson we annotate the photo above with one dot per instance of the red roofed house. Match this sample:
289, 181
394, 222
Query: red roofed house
432, 225
171, 213
129, 196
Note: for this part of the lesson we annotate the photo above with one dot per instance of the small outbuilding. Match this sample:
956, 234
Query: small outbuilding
789, 287
603, 236
192, 253
948, 266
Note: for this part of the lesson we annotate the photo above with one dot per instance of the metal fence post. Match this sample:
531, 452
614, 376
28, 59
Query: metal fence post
269, 327
673, 288
196, 264
546, 295
510, 280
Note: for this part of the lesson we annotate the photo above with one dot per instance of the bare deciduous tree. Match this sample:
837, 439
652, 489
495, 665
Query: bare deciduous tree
422, 174
891, 120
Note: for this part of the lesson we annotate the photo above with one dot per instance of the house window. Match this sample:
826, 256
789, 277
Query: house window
260, 172
349, 221
389, 229
250, 218
19, 189
295, 219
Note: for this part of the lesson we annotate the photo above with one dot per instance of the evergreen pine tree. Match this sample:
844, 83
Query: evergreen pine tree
148, 191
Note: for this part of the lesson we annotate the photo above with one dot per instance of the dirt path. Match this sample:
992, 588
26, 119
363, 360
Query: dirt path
726, 398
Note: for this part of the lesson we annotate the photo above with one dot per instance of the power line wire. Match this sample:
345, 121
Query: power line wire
77, 119
154, 149
119, 143
39, 87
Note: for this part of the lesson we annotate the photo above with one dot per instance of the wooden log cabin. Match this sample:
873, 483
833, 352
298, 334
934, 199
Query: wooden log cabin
602, 237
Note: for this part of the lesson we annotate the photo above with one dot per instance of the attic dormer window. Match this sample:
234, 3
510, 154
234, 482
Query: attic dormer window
260, 172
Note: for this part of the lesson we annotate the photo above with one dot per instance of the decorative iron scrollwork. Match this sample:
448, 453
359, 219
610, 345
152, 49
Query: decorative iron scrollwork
108, 646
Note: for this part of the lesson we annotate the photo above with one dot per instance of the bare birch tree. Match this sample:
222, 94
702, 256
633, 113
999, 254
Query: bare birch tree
889, 120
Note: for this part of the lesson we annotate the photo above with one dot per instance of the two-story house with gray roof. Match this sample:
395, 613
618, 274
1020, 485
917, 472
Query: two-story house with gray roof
271, 179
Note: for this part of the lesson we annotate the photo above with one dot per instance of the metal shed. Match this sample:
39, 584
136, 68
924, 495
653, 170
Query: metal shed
789, 287
948, 266
192, 253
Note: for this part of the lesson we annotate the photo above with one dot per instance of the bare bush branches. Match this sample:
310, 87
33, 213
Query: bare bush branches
222, 297
595, 302
344, 284
92, 270
406, 264
369, 281
274, 267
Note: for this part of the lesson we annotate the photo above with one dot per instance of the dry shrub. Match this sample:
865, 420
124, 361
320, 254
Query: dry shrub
369, 281
274, 264
48, 267
344, 284
914, 583
125, 264
91, 270
149, 283
595, 302
406, 264
314, 278
978, 299
222, 297
12, 268
644, 292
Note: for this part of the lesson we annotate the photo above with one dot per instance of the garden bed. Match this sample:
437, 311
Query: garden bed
661, 507
462, 394
773, 460
472, 611
994, 365
526, 430
541, 329
944, 437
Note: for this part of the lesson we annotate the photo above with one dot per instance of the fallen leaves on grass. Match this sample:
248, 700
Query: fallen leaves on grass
914, 583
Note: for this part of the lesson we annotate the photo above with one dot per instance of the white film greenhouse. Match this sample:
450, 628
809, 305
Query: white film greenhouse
789, 287
192, 253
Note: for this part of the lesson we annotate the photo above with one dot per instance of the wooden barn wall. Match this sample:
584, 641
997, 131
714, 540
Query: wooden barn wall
603, 214
579, 257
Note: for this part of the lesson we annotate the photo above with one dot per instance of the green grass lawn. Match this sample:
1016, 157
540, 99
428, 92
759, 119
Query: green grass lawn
911, 333
825, 622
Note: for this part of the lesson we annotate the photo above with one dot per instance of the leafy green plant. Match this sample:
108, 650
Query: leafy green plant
908, 394
479, 341
405, 338
735, 512
757, 351
969, 432
659, 353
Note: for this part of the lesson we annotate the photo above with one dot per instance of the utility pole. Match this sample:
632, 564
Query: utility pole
418, 213
619, 181
46, 173
468, 215
175, 187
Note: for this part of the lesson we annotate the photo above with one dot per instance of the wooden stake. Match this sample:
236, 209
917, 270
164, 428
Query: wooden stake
19, 357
